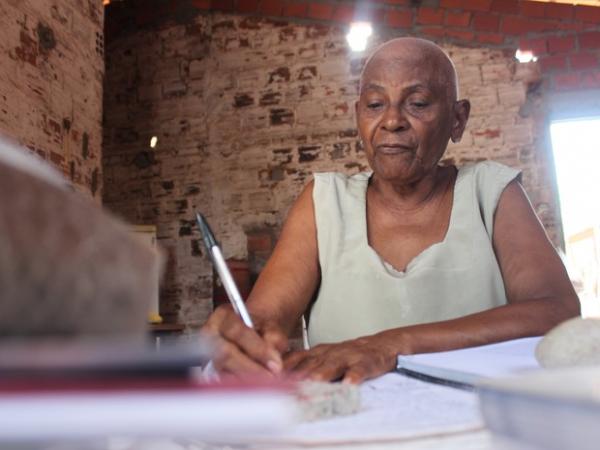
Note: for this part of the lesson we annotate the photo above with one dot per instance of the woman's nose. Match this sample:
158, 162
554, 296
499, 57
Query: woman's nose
394, 120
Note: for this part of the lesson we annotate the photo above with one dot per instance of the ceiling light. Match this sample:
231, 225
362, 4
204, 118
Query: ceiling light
358, 35
153, 141
525, 56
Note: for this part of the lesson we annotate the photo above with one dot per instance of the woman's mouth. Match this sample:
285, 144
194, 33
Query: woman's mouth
394, 149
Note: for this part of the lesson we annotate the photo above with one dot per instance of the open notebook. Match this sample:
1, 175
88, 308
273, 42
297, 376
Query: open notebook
467, 367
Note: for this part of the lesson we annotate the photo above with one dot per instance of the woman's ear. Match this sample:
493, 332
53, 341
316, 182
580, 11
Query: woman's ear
462, 108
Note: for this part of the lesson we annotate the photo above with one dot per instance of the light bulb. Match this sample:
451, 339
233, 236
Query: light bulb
525, 56
358, 35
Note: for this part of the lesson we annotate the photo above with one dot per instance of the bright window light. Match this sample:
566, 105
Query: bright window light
525, 56
358, 35
575, 145
153, 141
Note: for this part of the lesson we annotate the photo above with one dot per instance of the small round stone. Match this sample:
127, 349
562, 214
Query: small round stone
575, 342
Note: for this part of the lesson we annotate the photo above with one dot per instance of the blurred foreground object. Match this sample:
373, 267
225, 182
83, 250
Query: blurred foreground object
575, 342
67, 362
547, 409
66, 266
84, 389
320, 400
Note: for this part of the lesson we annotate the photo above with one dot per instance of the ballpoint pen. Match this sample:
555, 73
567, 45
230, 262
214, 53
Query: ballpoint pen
224, 274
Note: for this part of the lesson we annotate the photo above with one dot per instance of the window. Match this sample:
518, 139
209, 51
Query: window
576, 147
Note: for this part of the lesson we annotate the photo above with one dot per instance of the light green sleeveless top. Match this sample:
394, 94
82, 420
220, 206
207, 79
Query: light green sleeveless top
360, 294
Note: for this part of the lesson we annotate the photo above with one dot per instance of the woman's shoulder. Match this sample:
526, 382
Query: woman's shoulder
489, 172
487, 180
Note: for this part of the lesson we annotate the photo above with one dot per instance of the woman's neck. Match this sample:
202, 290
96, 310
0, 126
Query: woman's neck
412, 196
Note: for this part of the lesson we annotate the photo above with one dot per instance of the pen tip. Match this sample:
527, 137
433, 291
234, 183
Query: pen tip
201, 219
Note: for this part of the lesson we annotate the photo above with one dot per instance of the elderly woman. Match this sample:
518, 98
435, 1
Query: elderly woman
414, 257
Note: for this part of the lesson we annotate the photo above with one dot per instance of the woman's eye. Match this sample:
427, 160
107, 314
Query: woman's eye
374, 105
419, 105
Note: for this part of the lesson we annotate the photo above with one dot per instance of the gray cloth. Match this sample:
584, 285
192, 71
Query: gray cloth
66, 266
360, 294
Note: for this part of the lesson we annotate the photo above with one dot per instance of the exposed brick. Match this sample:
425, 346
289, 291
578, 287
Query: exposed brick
51, 103
259, 242
344, 13
589, 40
561, 44
241, 100
201, 4
519, 25
270, 98
505, 6
295, 10
375, 15
223, 5
271, 7
574, 26
430, 16
247, 6
582, 61
458, 19
490, 38
559, 11
468, 5
538, 46
308, 153
590, 80
489, 133
553, 63
399, 19
281, 116
486, 22
433, 31
587, 13
566, 82
320, 11
533, 9
461, 35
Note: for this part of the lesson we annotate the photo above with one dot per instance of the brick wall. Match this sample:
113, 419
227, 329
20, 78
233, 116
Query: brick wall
51, 70
249, 98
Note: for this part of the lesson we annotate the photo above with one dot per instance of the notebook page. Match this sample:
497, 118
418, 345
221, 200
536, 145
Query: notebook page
393, 407
470, 364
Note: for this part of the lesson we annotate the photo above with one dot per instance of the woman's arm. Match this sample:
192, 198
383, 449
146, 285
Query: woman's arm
280, 296
538, 291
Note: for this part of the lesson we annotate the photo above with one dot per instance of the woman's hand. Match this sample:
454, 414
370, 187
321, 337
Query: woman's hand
351, 361
245, 351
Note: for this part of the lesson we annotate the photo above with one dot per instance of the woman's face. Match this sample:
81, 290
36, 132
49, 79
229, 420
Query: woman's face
406, 114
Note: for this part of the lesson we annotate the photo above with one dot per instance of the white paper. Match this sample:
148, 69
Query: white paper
471, 364
394, 407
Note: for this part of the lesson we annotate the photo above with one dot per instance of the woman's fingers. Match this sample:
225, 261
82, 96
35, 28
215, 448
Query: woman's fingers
291, 360
249, 342
315, 364
230, 359
322, 370
275, 336
240, 347
358, 373
351, 361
